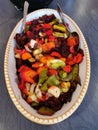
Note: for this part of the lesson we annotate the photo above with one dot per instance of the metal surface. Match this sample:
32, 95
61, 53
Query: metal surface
25, 11
85, 14
60, 12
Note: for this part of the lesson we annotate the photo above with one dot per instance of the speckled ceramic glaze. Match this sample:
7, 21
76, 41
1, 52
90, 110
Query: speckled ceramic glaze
11, 77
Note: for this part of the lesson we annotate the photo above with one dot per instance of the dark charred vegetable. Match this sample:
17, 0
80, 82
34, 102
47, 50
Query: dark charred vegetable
75, 36
45, 111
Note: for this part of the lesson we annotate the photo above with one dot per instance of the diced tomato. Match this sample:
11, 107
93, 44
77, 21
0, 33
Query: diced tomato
39, 70
67, 68
78, 58
55, 54
52, 72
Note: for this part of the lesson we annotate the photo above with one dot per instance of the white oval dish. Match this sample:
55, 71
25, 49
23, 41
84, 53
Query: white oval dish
11, 77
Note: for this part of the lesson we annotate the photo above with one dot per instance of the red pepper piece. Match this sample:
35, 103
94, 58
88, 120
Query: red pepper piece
78, 58
18, 51
21, 85
46, 25
52, 72
67, 68
27, 74
72, 49
29, 100
49, 32
28, 23
55, 54
51, 38
70, 61
25, 91
48, 46
26, 55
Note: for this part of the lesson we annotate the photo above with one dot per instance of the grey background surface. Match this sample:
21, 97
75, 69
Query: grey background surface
85, 14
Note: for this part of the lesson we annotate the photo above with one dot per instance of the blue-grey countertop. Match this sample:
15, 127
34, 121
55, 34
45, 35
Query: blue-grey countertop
85, 14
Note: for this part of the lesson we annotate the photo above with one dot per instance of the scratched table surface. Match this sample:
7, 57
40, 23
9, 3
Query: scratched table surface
85, 14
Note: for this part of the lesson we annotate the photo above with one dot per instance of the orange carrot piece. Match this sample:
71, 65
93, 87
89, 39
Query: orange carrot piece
63, 59
39, 70
71, 41
26, 55
36, 65
48, 46
44, 59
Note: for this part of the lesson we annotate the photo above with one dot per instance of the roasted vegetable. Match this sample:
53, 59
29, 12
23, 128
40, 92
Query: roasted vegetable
74, 75
42, 76
54, 22
45, 111
59, 27
55, 63
44, 87
73, 41
59, 34
27, 74
62, 74
52, 80
55, 54
48, 46
52, 72
65, 86
47, 61
67, 68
